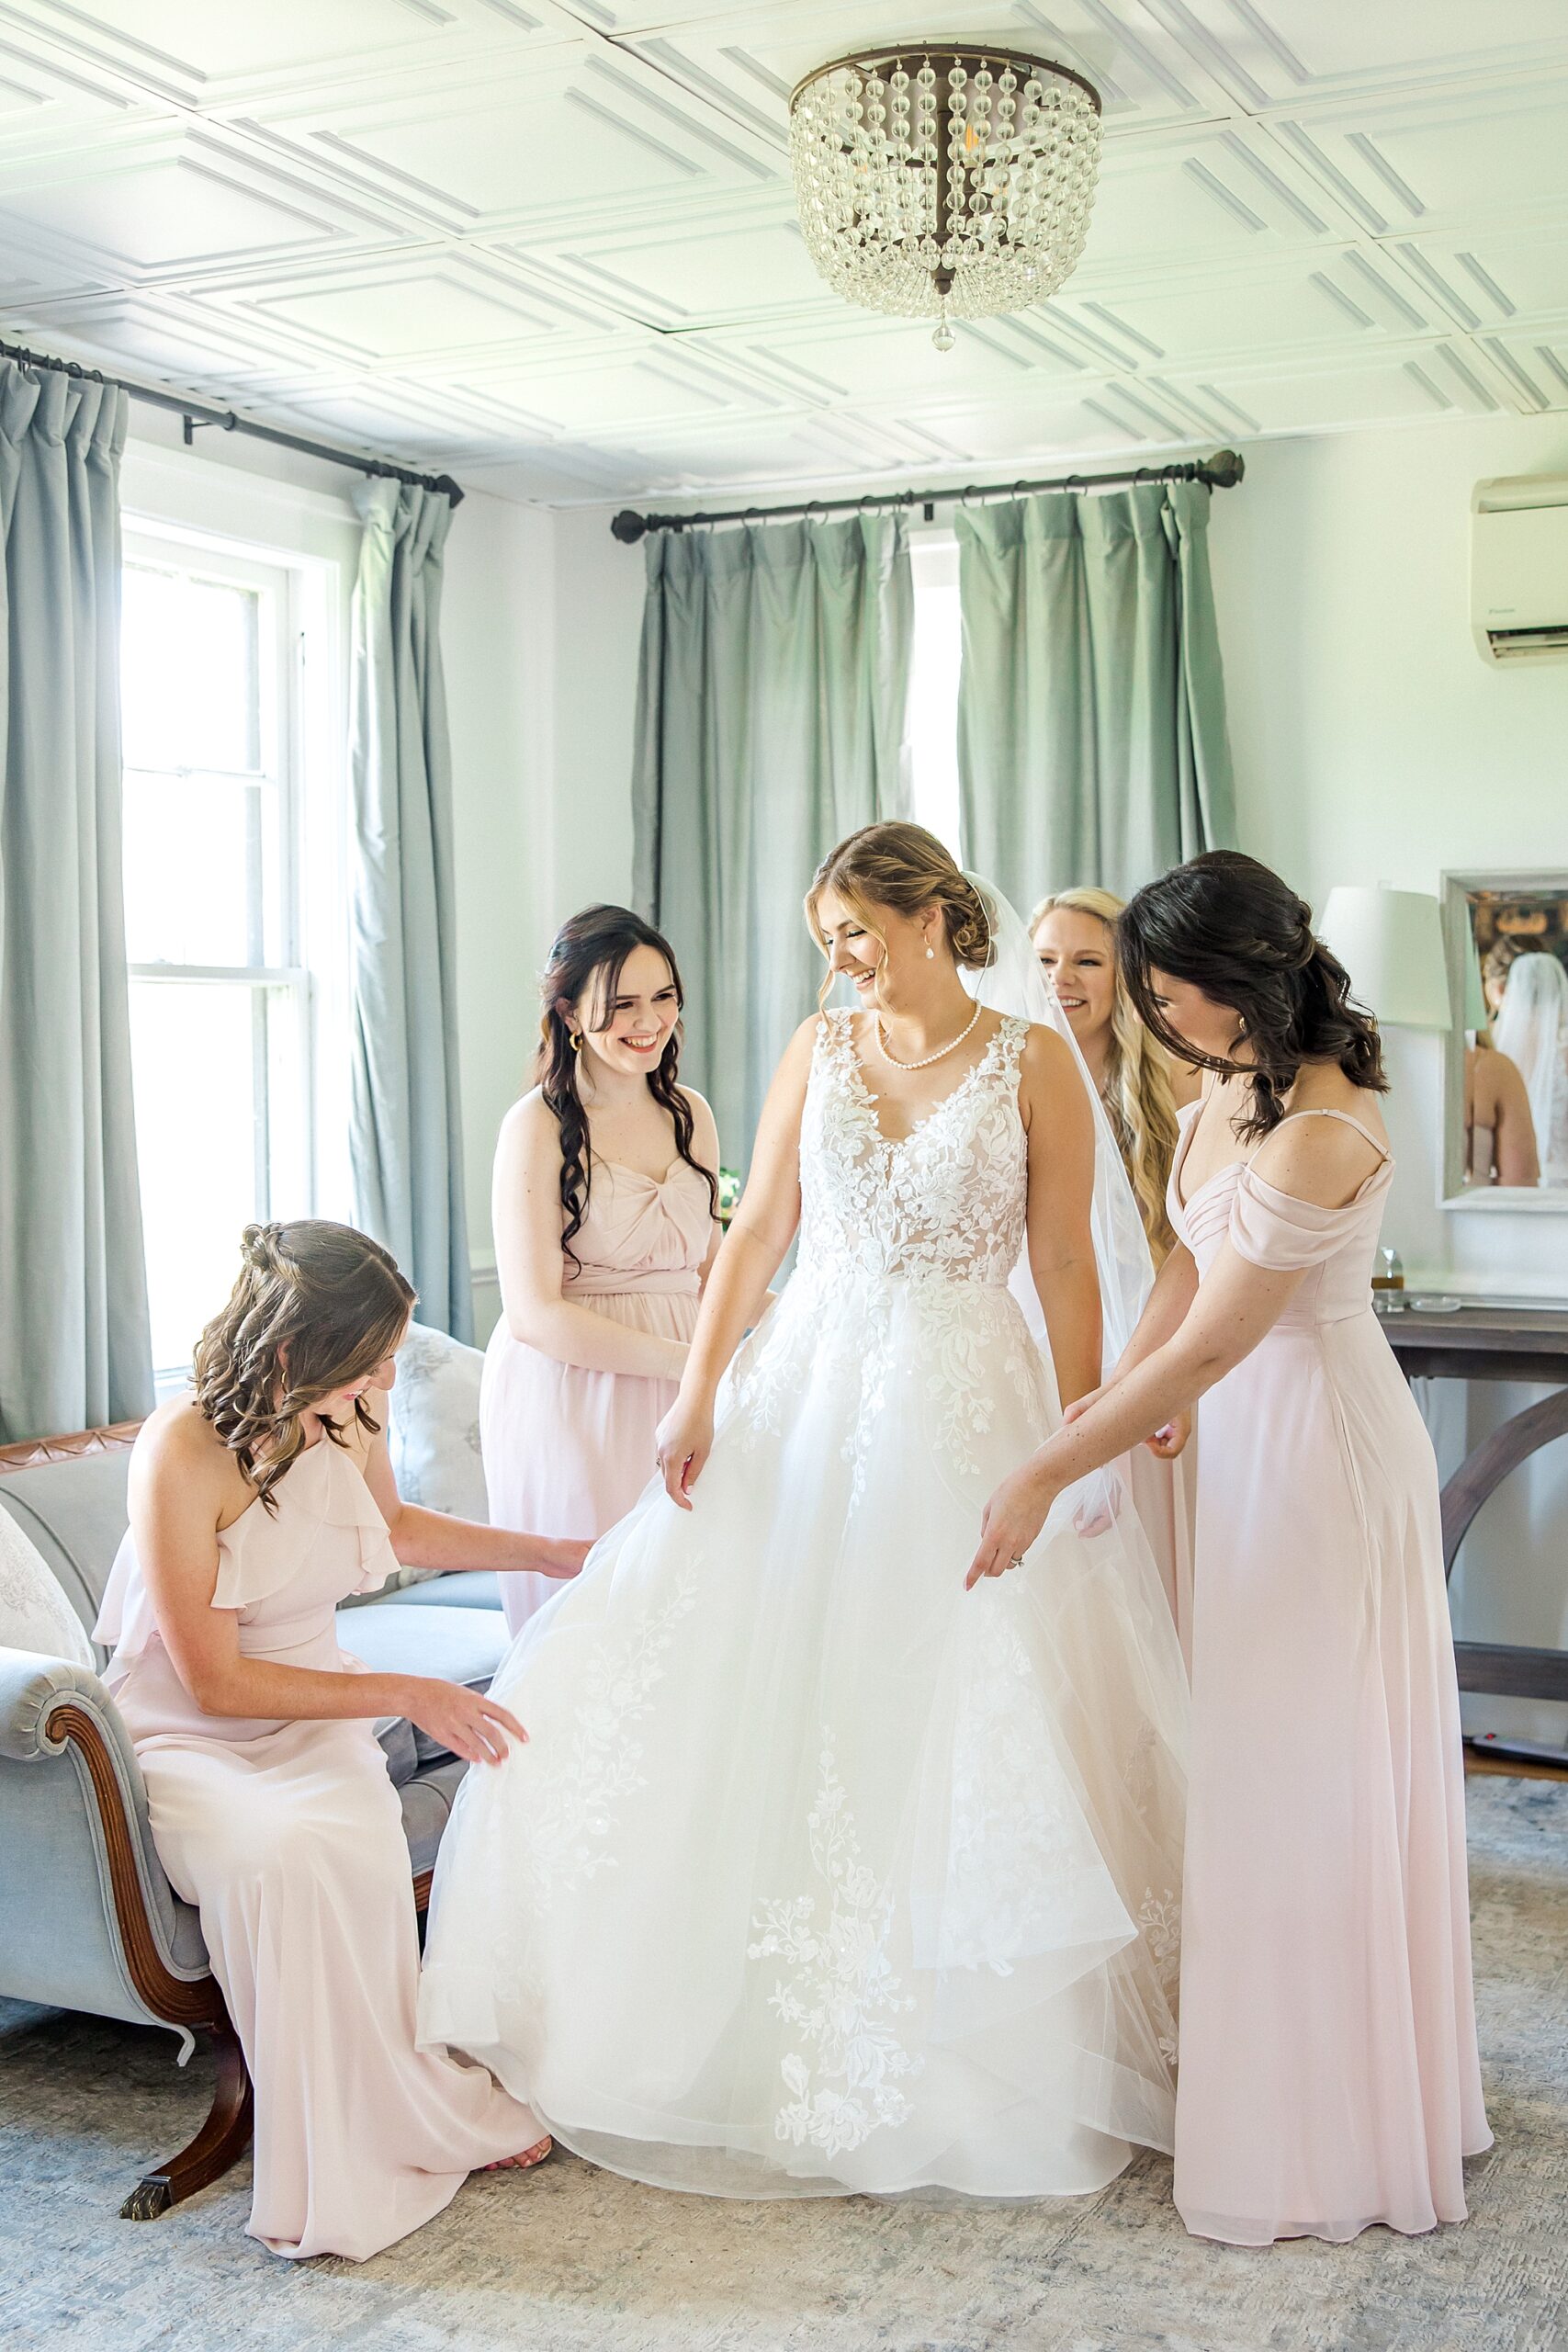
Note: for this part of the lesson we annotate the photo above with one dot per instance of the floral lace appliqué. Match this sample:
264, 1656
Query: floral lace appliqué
568, 1819
842, 1994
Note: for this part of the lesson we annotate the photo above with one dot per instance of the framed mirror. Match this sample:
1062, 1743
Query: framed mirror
1505, 1090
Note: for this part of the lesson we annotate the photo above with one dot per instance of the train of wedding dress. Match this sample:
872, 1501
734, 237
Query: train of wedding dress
818, 1873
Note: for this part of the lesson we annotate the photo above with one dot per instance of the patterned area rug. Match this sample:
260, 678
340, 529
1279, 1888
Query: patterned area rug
573, 2260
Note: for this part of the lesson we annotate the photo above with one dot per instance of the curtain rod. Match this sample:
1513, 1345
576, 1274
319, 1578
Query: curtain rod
197, 412
1221, 471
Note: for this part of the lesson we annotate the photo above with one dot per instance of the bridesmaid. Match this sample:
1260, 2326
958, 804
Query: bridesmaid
1141, 1088
1329, 2077
605, 1205
257, 1503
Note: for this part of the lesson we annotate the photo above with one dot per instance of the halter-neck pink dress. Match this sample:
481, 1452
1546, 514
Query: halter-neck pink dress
568, 1451
1328, 2070
289, 1839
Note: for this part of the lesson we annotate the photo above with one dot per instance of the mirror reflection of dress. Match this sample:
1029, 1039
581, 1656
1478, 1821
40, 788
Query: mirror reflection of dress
1532, 1030
819, 1874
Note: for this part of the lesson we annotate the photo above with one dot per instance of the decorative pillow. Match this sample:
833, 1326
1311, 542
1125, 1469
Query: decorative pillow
434, 1432
34, 1613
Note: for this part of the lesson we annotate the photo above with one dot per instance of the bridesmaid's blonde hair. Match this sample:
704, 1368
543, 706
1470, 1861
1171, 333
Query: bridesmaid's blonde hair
1140, 1100
315, 1308
900, 867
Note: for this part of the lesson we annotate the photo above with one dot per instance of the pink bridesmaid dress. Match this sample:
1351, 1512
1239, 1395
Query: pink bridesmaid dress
570, 1451
288, 1837
1329, 2076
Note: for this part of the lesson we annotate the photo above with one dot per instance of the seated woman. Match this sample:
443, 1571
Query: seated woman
257, 1503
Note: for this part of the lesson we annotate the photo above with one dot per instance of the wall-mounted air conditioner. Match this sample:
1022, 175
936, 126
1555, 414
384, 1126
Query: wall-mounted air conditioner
1518, 568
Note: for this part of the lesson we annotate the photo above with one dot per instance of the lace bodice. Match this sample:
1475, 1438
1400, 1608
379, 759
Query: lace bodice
947, 1200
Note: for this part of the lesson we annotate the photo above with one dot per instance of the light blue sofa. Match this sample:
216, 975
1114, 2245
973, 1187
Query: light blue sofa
88, 1919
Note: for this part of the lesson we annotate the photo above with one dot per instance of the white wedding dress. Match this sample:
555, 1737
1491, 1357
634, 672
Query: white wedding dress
819, 1874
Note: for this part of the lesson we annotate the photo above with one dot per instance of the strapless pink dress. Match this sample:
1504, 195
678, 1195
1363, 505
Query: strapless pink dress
289, 1839
1329, 2075
568, 1452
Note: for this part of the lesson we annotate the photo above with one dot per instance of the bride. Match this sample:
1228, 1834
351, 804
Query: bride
819, 1874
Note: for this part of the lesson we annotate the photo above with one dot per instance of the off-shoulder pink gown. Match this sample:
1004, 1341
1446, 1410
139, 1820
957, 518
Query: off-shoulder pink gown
570, 1451
1329, 2072
288, 1837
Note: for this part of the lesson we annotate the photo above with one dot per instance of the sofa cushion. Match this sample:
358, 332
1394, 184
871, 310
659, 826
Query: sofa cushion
434, 1433
451, 1588
76, 1512
451, 1645
33, 1612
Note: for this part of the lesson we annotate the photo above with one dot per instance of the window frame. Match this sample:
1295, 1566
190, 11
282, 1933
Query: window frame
283, 982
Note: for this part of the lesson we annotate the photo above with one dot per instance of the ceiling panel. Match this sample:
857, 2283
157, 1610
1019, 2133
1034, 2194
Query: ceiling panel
709, 265
1419, 384
554, 241
1488, 152
1277, 51
167, 203
1313, 302
854, 359
441, 304
213, 51
748, 59
569, 137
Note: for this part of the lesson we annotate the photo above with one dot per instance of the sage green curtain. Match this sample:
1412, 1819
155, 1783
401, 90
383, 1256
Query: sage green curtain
771, 702
75, 1349
1091, 709
406, 1133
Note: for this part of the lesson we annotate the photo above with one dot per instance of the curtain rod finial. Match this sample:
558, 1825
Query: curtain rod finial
1226, 469
628, 526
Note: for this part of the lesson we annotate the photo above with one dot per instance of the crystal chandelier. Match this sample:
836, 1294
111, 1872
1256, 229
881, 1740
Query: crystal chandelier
945, 182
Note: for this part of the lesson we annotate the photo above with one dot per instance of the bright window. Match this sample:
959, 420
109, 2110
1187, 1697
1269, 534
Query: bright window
221, 996
933, 690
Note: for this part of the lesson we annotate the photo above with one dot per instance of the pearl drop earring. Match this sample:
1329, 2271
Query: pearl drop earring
930, 955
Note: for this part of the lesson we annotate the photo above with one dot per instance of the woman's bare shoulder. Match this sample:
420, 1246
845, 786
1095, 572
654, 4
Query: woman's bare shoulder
177, 1447
1326, 1160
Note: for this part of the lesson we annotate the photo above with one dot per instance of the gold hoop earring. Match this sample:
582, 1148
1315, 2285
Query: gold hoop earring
576, 1035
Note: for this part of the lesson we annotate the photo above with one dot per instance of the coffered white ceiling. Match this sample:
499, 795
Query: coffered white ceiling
549, 245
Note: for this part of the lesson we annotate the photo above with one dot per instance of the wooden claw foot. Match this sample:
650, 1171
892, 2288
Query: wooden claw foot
221, 2142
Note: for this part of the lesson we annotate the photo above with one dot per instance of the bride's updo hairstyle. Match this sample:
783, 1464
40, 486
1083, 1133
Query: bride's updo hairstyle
1228, 926
590, 953
316, 1307
902, 867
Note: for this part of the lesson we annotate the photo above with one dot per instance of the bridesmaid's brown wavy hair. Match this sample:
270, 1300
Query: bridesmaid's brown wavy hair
590, 950
316, 1306
1232, 928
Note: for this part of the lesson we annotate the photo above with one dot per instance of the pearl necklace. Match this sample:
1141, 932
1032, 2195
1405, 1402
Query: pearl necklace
926, 1060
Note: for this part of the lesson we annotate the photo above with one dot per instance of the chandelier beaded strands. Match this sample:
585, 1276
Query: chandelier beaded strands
944, 183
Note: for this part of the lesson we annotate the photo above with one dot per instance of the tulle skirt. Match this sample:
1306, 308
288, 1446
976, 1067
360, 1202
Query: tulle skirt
819, 1874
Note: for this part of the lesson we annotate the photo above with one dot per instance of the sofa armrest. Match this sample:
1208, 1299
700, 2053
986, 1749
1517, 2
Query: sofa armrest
31, 1687
88, 1919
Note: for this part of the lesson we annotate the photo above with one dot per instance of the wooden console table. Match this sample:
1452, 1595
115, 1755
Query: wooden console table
1493, 1343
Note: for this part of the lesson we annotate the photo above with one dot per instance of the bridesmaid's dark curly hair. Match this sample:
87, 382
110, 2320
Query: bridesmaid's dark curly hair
315, 1308
591, 952
1230, 927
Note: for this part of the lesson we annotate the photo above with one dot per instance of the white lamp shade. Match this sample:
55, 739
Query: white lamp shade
1391, 943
